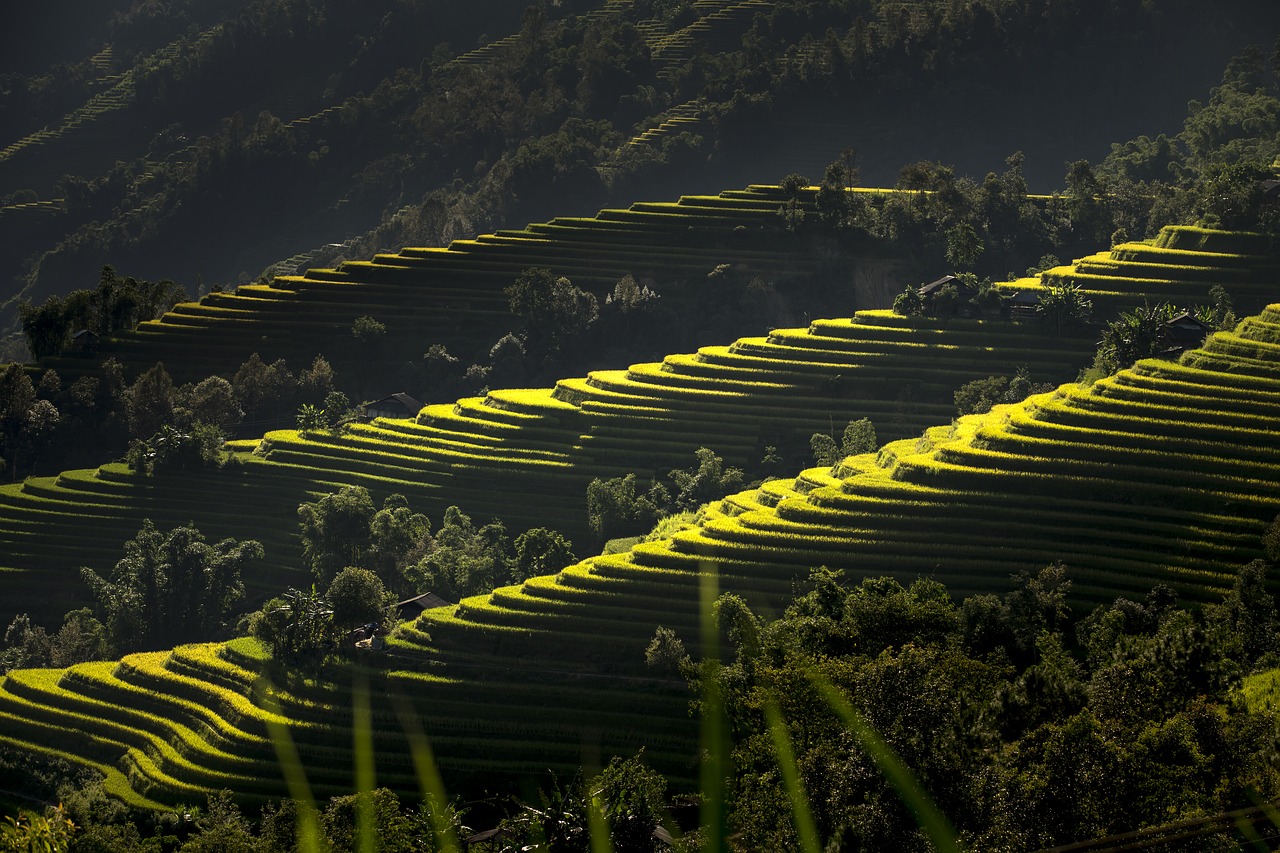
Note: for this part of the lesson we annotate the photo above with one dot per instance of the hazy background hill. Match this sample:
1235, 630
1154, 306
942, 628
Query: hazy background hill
206, 142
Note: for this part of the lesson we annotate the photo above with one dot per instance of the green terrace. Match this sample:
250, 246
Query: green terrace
169, 726
1178, 267
527, 455
454, 295
1164, 473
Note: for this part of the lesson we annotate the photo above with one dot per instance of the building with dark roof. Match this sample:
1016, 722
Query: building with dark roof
393, 406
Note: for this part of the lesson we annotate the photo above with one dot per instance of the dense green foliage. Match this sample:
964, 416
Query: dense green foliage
170, 588
1026, 728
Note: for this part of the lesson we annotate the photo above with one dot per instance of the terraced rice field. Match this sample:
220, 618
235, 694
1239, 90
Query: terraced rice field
1164, 473
1179, 267
526, 456
454, 295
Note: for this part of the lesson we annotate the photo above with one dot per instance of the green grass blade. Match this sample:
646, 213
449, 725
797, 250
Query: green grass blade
295, 775
927, 814
801, 814
429, 780
1245, 827
362, 736
715, 750
599, 827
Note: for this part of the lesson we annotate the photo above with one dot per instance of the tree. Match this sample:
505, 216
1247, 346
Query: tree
1271, 540
296, 625
859, 437
1064, 308
357, 597
220, 828
17, 397
316, 382
1134, 335
541, 551
337, 406
963, 246
46, 327
980, 395
394, 830
1086, 203
40, 430
150, 402
507, 363
51, 832
262, 389
709, 480
81, 638
25, 645
311, 419
553, 311
633, 798
1038, 604
1221, 315
335, 531
826, 452
837, 205
441, 372
172, 449
367, 331
1246, 623
616, 507
909, 303
210, 401
170, 588
665, 652
395, 532
792, 212
461, 559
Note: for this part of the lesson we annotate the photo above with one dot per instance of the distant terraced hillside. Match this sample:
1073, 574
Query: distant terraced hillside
526, 456
454, 295
1164, 473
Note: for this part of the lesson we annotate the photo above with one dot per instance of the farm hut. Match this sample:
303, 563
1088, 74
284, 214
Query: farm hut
927, 290
1181, 333
412, 608
393, 406
84, 342
1023, 305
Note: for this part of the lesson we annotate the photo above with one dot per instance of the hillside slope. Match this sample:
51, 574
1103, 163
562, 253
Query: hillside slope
454, 295
1165, 473
527, 456
182, 165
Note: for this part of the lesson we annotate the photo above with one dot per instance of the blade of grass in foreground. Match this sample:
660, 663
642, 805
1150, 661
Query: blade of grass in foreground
1249, 834
362, 736
927, 814
599, 826
800, 812
715, 759
429, 780
295, 776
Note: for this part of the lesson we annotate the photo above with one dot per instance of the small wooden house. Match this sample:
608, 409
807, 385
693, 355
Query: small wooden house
84, 342
928, 290
1181, 333
1023, 305
964, 301
393, 406
412, 608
